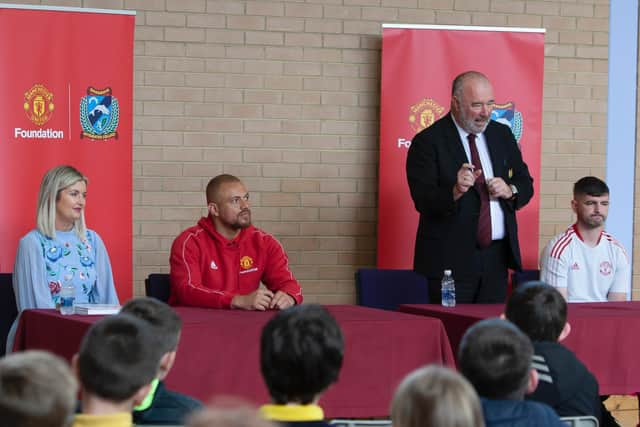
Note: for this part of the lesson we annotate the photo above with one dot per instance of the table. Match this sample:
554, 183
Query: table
601, 336
219, 353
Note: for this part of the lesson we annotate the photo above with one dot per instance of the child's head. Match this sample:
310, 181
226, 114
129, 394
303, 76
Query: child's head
118, 359
495, 356
435, 396
300, 353
36, 389
227, 417
539, 311
165, 323
161, 316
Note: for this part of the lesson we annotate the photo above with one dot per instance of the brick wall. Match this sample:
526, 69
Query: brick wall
285, 94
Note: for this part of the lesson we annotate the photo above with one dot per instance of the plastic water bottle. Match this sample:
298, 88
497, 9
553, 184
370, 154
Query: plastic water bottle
67, 298
448, 290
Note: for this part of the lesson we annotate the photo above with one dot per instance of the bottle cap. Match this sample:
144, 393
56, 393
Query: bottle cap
447, 272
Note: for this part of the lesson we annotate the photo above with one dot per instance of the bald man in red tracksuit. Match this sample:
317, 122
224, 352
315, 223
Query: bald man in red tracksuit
220, 262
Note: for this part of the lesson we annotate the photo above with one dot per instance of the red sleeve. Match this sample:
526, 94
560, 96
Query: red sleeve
277, 275
186, 277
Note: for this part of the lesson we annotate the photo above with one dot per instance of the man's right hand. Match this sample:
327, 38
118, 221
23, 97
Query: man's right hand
466, 177
257, 300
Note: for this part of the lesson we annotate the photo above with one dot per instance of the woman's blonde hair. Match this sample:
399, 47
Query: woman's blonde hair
435, 396
53, 182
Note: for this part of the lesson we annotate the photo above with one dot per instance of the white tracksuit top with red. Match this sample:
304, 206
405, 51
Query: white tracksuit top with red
588, 273
207, 270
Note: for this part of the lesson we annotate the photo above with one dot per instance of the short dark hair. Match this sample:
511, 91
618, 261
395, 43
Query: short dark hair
539, 310
213, 187
164, 320
118, 355
591, 186
301, 351
495, 356
36, 389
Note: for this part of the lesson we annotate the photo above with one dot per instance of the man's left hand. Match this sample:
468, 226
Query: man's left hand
499, 189
281, 300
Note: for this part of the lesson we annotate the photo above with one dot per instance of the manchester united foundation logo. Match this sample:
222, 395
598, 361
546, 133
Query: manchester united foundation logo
99, 114
424, 113
38, 104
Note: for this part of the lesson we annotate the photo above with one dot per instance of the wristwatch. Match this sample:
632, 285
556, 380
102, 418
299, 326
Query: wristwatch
514, 191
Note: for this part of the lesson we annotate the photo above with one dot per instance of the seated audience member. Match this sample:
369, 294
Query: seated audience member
220, 262
495, 356
36, 389
61, 249
585, 263
301, 351
118, 360
564, 383
227, 417
161, 406
435, 396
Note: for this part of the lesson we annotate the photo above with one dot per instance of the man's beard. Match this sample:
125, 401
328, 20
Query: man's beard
240, 223
591, 223
470, 125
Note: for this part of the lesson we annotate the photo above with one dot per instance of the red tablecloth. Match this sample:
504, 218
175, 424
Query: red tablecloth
601, 336
219, 353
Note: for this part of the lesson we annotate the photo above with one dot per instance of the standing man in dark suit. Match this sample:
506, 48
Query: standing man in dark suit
467, 178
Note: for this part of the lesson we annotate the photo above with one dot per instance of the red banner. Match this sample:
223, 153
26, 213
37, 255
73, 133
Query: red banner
66, 86
418, 66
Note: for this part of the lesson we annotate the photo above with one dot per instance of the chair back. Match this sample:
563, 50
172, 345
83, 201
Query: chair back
386, 288
8, 309
581, 421
156, 285
520, 277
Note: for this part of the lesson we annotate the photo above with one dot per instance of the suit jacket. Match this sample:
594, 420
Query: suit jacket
446, 236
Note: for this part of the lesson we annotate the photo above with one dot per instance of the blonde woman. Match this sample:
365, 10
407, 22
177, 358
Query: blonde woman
435, 396
61, 249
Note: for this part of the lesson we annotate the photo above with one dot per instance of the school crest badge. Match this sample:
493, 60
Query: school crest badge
508, 115
99, 113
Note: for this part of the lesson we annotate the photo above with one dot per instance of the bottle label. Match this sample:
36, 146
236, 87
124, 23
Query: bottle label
448, 294
66, 301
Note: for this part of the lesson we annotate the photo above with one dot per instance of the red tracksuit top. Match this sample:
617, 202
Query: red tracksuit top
207, 270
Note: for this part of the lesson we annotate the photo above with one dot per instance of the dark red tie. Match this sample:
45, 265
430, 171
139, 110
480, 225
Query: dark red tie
484, 219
